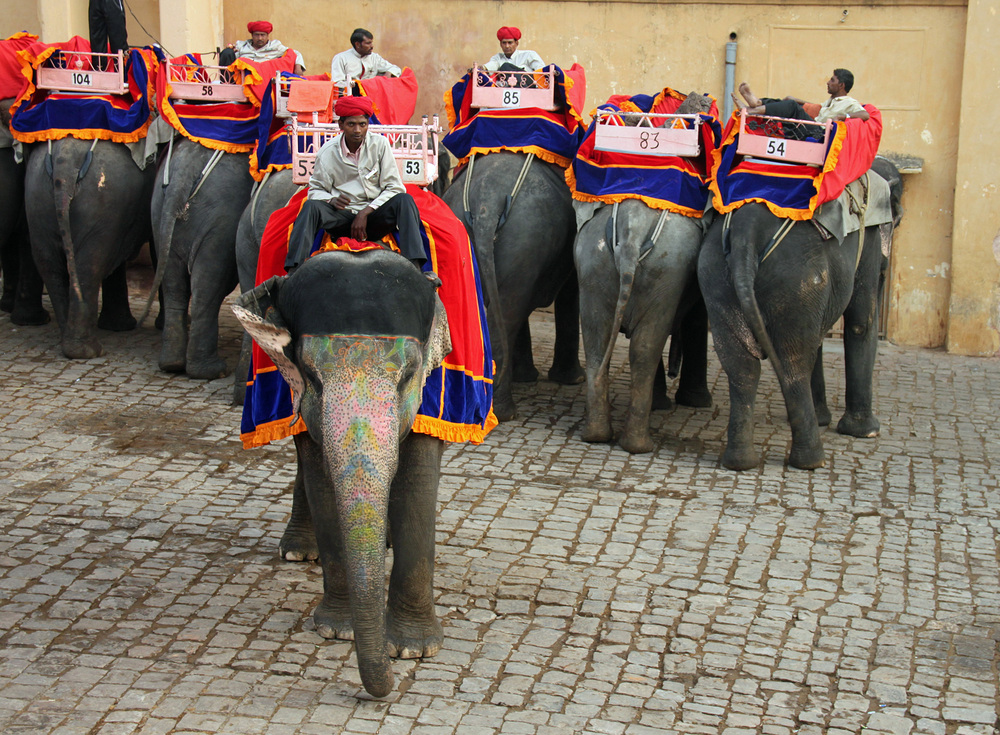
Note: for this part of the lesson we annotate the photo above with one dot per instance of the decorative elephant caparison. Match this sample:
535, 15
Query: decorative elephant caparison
88, 212
356, 335
525, 260
782, 307
195, 215
642, 298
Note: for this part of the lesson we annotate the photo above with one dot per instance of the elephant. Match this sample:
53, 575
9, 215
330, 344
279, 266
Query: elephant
782, 306
524, 245
196, 207
356, 335
22, 285
637, 272
272, 193
87, 206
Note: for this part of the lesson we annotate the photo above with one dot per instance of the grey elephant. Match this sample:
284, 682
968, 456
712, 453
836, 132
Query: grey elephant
524, 246
637, 271
272, 193
197, 201
357, 364
22, 285
781, 307
87, 205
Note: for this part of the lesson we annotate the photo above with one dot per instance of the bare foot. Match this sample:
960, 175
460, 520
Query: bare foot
749, 96
737, 102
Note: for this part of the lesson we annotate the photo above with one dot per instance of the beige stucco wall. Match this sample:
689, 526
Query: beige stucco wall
974, 317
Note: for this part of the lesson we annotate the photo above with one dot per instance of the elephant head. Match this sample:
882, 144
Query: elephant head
355, 336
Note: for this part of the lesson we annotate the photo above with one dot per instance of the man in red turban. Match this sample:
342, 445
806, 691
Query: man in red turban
509, 58
356, 191
259, 47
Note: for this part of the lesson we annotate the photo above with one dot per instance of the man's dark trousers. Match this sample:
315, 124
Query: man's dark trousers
400, 213
107, 26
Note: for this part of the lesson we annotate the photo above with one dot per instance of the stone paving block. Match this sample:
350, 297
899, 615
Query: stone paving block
582, 589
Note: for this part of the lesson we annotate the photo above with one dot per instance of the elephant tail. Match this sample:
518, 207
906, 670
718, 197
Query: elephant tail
483, 234
175, 206
64, 188
740, 243
625, 250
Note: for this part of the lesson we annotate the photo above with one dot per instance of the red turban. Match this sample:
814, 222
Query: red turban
350, 106
509, 32
260, 26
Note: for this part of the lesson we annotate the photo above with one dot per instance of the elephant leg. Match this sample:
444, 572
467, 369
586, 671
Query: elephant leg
242, 370
176, 295
566, 368
412, 627
522, 360
597, 310
860, 348
807, 447
818, 385
24, 282
208, 290
661, 401
298, 543
645, 353
743, 371
333, 614
692, 389
116, 314
79, 338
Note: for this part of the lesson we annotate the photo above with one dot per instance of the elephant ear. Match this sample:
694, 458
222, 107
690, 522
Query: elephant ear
439, 344
259, 315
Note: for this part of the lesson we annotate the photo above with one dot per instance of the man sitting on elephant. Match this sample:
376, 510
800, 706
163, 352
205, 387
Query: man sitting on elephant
356, 191
837, 107
259, 47
509, 58
360, 61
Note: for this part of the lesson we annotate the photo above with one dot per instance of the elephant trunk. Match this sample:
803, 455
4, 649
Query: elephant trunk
740, 243
361, 452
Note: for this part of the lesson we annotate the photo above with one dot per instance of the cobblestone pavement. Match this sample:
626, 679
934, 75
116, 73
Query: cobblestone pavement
582, 590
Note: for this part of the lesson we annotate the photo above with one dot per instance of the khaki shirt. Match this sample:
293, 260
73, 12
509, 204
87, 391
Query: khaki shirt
371, 183
837, 105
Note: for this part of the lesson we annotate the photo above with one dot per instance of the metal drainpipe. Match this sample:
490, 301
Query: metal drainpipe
730, 77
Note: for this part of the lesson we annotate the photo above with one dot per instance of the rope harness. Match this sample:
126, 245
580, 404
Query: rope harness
647, 247
510, 197
858, 207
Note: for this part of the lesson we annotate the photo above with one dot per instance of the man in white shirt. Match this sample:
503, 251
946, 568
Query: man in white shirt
837, 107
360, 61
356, 191
259, 47
509, 58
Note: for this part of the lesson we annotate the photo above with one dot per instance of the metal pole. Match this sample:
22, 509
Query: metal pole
730, 77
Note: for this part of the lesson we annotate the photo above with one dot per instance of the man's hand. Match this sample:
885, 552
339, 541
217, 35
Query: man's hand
359, 227
341, 202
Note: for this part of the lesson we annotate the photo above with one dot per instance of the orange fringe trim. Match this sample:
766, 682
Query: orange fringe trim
272, 431
258, 174
446, 431
175, 122
540, 153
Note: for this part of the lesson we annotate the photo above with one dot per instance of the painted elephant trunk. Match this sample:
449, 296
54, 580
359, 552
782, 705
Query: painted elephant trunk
361, 453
